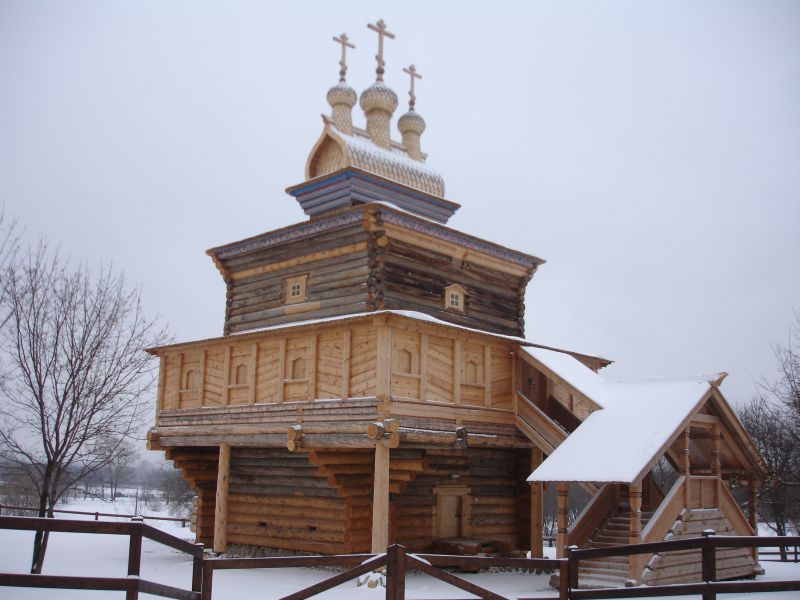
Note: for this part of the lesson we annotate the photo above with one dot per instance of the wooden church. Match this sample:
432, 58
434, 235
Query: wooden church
374, 385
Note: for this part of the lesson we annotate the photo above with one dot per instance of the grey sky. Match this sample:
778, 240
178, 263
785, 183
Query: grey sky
649, 151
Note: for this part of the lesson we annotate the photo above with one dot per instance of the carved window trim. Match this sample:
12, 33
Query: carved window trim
455, 298
296, 289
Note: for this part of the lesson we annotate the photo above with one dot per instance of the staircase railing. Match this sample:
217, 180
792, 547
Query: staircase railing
667, 512
534, 422
591, 516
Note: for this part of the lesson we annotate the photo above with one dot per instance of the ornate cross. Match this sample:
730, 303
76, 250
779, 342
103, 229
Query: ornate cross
345, 42
380, 29
412, 71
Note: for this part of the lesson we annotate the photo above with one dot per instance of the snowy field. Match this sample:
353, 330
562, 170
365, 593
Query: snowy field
107, 556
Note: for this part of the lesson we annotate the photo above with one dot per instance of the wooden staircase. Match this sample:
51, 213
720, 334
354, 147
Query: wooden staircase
610, 571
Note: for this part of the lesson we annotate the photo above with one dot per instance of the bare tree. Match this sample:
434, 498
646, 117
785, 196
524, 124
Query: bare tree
76, 374
120, 464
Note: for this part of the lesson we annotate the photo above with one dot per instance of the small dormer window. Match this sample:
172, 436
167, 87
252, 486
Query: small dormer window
454, 297
296, 289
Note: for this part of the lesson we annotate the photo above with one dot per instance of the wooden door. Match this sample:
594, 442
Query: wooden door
448, 516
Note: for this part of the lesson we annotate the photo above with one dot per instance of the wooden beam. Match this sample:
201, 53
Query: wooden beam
635, 562
383, 375
380, 500
686, 465
312, 367
202, 391
221, 517
537, 508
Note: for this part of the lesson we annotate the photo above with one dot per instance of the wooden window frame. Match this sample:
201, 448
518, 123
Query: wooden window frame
455, 291
300, 282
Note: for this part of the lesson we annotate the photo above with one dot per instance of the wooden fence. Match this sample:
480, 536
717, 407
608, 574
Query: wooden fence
396, 562
96, 515
132, 585
709, 588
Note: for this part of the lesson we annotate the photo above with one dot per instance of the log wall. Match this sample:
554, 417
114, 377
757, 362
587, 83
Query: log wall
685, 566
355, 262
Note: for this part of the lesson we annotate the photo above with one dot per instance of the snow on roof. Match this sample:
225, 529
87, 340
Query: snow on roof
617, 442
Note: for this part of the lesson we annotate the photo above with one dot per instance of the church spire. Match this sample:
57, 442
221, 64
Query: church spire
411, 124
342, 97
379, 101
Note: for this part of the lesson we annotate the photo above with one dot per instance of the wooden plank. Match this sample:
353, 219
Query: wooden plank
300, 260
221, 512
251, 397
226, 376
312, 366
487, 375
423, 366
281, 370
202, 391
346, 339
457, 371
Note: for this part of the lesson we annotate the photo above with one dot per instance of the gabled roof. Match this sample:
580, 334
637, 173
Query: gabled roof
636, 423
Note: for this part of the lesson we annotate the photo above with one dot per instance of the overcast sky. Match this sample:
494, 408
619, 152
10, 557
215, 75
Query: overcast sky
649, 151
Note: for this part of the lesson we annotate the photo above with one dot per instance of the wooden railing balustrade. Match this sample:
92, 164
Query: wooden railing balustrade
592, 516
96, 514
133, 584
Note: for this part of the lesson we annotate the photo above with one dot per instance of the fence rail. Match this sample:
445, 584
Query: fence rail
96, 515
133, 584
396, 562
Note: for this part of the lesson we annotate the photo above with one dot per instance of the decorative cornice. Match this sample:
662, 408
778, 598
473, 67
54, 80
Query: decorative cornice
282, 236
449, 235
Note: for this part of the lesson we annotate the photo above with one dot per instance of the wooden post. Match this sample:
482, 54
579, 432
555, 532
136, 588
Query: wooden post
423, 366
636, 565
221, 510
752, 505
457, 371
537, 508
562, 498
208, 580
346, 338
396, 572
709, 562
686, 468
380, 499
135, 558
197, 573
716, 468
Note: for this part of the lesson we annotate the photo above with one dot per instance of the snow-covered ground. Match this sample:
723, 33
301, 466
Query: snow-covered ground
106, 556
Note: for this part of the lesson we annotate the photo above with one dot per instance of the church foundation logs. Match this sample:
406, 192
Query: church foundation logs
320, 500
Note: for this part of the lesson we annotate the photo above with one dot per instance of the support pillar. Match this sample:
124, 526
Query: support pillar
537, 508
380, 499
221, 508
752, 506
716, 468
636, 560
561, 519
686, 466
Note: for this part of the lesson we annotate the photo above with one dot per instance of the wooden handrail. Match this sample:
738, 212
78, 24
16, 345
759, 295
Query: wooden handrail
667, 512
591, 516
538, 420
730, 508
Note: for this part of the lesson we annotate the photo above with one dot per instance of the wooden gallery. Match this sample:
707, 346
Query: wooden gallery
373, 385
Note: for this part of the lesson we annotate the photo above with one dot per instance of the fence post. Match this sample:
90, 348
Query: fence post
565, 575
135, 557
395, 572
709, 561
208, 579
197, 573
97, 516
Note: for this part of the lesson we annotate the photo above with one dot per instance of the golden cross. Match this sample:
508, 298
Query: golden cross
345, 42
380, 29
412, 71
